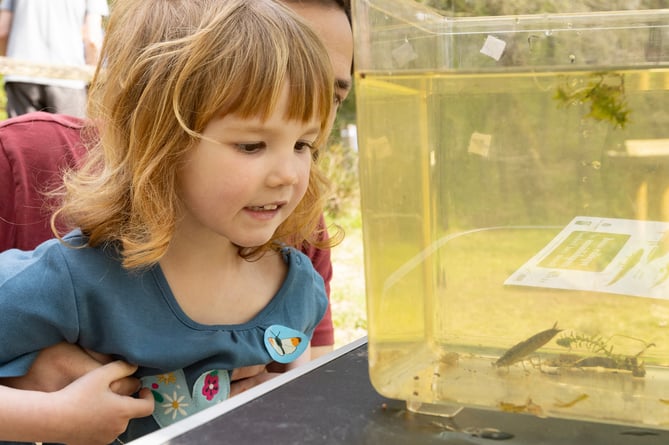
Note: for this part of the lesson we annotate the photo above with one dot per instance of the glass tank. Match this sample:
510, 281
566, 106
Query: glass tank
515, 203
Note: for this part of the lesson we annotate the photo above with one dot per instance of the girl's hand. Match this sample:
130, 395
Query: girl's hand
86, 412
89, 412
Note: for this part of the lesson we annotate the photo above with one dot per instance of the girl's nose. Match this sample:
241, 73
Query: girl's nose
284, 170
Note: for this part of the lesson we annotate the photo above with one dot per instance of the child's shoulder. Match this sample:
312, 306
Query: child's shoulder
301, 272
296, 259
71, 248
75, 238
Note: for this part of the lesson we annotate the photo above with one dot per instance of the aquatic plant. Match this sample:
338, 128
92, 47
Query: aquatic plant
604, 93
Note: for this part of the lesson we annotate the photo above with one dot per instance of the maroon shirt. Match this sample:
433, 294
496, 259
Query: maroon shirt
34, 149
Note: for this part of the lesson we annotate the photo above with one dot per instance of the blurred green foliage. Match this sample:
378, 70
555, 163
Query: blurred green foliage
339, 161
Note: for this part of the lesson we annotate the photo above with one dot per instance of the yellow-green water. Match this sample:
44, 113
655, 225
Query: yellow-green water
464, 178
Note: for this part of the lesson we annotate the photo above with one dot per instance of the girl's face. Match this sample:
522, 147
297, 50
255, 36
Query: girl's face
243, 187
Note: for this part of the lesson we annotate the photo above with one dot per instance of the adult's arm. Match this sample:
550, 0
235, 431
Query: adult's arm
92, 37
7, 202
5, 27
34, 149
92, 33
322, 340
57, 366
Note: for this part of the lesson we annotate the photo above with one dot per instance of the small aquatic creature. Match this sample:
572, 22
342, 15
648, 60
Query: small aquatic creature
591, 343
474, 431
639, 433
529, 407
616, 362
487, 433
561, 404
449, 359
610, 360
518, 352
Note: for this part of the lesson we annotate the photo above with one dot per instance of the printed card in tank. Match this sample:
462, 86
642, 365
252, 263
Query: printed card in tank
619, 256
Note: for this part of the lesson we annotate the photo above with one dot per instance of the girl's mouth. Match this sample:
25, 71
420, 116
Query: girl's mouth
266, 207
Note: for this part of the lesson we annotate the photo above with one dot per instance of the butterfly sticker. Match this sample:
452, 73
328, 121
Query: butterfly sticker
284, 344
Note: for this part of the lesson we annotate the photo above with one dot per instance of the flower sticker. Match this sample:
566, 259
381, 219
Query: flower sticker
175, 398
175, 405
167, 379
210, 387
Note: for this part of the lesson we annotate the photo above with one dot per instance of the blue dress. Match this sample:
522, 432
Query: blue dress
58, 293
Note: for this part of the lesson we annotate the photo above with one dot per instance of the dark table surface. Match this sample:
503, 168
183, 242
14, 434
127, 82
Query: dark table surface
333, 402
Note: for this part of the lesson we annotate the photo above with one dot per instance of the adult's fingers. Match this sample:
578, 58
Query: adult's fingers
99, 357
126, 386
246, 372
118, 369
239, 386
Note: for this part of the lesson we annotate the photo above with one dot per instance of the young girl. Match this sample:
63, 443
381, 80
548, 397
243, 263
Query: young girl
189, 209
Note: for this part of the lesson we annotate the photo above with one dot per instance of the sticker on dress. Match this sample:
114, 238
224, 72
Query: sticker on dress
212, 387
172, 399
285, 344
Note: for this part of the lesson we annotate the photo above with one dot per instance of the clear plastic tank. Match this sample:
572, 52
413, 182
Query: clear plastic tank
515, 203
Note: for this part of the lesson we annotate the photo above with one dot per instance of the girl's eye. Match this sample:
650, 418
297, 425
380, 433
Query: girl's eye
251, 148
303, 146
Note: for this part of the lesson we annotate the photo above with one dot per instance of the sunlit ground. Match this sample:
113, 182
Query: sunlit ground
348, 283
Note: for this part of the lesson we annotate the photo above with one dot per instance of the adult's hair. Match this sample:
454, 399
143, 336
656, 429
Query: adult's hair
167, 68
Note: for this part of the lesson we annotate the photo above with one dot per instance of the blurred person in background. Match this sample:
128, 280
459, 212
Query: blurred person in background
54, 32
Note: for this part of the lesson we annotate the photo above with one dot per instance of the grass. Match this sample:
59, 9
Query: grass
348, 280
339, 163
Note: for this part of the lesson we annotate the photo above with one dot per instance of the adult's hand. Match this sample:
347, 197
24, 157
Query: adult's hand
245, 378
57, 366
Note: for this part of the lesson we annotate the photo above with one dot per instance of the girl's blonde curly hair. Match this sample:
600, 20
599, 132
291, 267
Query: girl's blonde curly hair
167, 68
